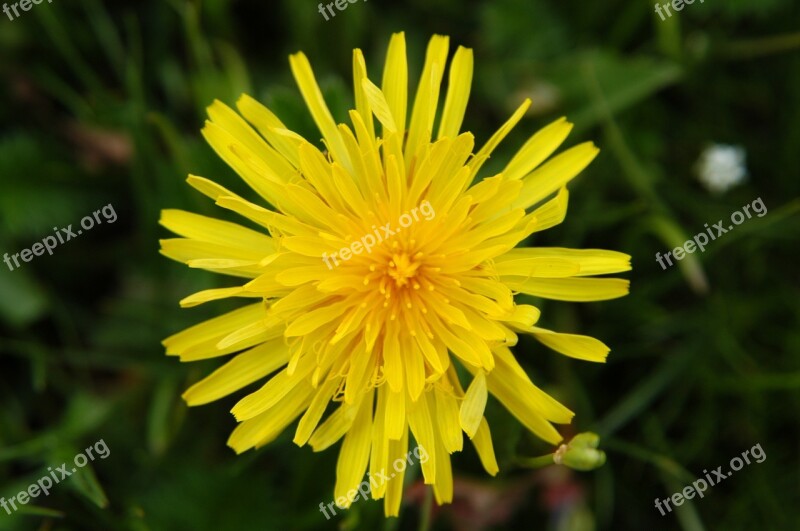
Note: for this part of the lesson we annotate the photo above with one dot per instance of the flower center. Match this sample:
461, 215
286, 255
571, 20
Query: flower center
403, 267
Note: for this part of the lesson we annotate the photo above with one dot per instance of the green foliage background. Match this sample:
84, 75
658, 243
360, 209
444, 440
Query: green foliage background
102, 102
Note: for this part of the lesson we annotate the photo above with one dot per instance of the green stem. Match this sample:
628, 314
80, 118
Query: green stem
536, 462
427, 508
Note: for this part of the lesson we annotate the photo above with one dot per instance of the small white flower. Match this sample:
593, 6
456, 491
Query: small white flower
721, 167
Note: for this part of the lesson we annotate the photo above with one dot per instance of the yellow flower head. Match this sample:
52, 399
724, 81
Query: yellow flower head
384, 263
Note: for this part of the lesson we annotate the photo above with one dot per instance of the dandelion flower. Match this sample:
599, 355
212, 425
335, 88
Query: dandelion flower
363, 345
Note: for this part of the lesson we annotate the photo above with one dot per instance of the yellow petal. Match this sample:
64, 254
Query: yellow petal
354, 454
530, 418
227, 119
362, 104
537, 266
572, 345
267, 124
491, 289
588, 261
458, 89
498, 203
295, 276
452, 177
273, 391
348, 190
264, 428
380, 444
377, 101
443, 488
478, 302
486, 151
429, 351
536, 150
352, 322
362, 364
309, 207
427, 167
522, 316
393, 361
209, 188
313, 246
447, 415
242, 370
304, 76
266, 284
421, 424
222, 259
214, 329
312, 320
394, 487
395, 414
510, 372
317, 171
529, 404
483, 445
550, 213
427, 98
297, 302
214, 294
414, 366
361, 177
334, 427
315, 410
368, 147
542, 218
571, 289
221, 263
267, 218
468, 353
395, 79
211, 348
206, 229
395, 176
245, 335
472, 238
253, 170
474, 404
555, 174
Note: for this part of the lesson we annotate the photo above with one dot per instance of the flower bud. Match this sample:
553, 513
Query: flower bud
581, 453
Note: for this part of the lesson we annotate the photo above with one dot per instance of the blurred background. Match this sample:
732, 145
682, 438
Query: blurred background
102, 103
